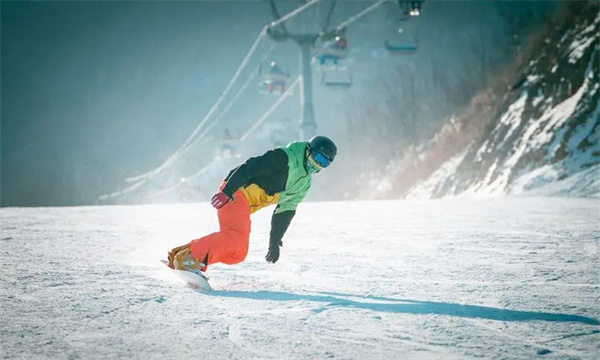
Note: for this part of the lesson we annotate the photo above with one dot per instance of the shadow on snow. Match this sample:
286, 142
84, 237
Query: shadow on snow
408, 306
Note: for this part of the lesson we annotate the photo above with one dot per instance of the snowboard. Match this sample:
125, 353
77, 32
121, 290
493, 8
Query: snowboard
190, 279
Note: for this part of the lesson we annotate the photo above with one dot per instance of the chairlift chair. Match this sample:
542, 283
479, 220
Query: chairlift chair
399, 44
274, 80
330, 48
340, 79
328, 57
400, 49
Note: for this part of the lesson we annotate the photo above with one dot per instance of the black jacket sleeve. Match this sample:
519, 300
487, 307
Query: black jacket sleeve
279, 224
270, 162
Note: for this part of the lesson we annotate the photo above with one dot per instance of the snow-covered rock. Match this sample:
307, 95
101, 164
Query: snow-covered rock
549, 133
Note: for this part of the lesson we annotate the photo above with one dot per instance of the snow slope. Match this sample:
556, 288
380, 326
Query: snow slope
510, 278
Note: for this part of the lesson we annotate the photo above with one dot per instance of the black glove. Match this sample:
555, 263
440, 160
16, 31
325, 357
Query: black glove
279, 224
273, 254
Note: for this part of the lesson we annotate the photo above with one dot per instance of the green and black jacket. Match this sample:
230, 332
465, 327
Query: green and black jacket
276, 177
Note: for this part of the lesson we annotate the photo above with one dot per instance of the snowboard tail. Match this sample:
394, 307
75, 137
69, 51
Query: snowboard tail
191, 279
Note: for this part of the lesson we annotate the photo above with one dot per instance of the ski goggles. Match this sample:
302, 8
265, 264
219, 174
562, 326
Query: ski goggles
320, 159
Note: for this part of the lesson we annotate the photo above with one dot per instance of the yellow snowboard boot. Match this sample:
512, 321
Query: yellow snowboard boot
180, 258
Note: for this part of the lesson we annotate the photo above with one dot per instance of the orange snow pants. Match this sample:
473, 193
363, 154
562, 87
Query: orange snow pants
230, 244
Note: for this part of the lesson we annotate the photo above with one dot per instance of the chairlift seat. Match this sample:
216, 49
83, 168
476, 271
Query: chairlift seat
337, 53
400, 48
272, 76
336, 79
272, 80
333, 68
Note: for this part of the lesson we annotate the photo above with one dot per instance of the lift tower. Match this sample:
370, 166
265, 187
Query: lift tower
308, 125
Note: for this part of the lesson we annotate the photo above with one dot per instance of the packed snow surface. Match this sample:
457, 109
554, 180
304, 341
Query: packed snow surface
510, 278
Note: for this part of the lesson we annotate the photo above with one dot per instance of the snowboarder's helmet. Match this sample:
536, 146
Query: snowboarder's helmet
323, 145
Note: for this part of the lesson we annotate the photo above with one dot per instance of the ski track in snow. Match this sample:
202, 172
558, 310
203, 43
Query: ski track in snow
494, 278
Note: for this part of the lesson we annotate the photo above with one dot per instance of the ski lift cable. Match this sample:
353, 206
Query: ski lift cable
177, 185
285, 95
276, 104
237, 74
121, 192
229, 105
352, 19
294, 13
190, 138
279, 101
247, 58
160, 192
242, 138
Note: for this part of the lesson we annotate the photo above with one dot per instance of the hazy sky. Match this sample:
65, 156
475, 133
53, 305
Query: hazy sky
95, 92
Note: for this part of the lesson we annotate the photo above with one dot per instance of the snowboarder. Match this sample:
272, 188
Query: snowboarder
281, 176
